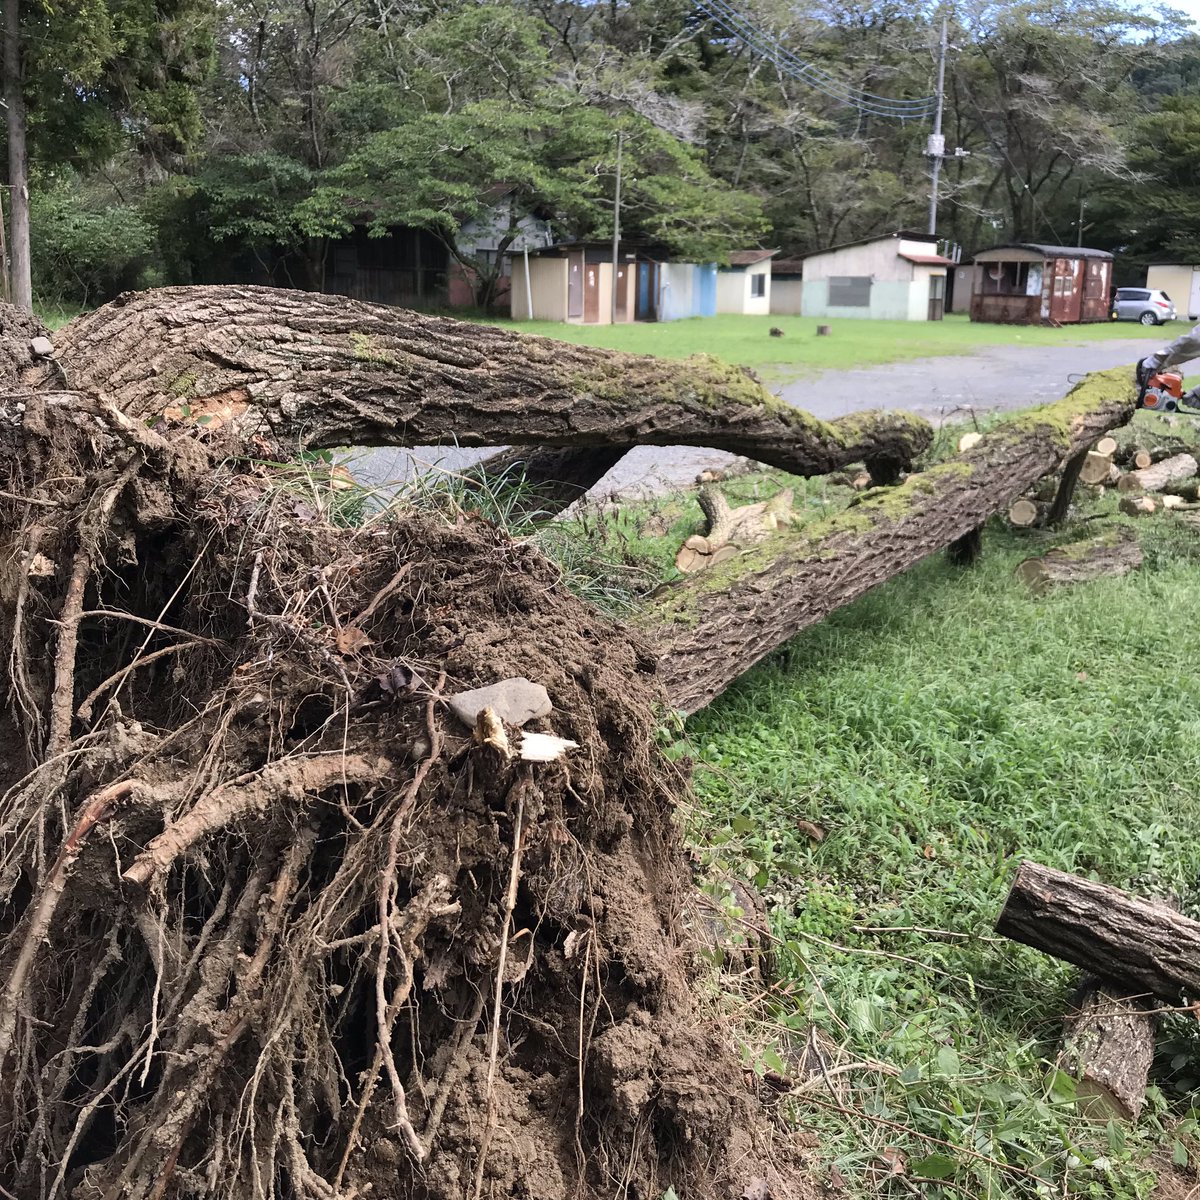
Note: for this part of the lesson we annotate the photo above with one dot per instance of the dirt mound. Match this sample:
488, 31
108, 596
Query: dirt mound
272, 922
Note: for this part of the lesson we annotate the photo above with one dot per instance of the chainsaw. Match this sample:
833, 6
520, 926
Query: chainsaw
1162, 391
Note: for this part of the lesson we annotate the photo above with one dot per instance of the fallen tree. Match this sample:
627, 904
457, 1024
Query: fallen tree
273, 921
714, 626
313, 371
1108, 554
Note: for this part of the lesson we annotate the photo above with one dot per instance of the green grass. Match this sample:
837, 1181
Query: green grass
745, 340
939, 730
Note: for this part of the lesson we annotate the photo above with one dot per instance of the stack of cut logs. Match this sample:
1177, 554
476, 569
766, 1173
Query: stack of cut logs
1153, 480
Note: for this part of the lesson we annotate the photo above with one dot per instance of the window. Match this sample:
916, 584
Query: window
758, 286
1132, 294
849, 291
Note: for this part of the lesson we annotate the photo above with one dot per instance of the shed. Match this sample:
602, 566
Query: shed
1027, 283
744, 286
687, 290
787, 286
896, 277
1181, 281
573, 282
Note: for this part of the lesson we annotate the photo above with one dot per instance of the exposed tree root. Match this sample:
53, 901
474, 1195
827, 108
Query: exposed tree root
271, 923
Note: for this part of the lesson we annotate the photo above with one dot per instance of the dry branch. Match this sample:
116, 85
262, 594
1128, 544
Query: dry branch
715, 626
1162, 476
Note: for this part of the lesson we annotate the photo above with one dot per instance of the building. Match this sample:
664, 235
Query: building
745, 285
573, 282
787, 286
960, 283
687, 290
1031, 284
1181, 281
894, 277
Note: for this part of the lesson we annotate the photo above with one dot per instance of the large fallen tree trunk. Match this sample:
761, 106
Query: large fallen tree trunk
716, 625
273, 921
1147, 948
324, 371
1114, 554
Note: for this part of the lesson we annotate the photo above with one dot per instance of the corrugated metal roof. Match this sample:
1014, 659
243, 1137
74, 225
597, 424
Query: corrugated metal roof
747, 258
929, 260
900, 235
1050, 251
787, 266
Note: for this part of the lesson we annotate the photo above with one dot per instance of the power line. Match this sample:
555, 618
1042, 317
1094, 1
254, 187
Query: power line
769, 47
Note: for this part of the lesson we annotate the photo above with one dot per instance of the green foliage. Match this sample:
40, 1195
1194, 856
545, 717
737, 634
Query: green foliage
85, 250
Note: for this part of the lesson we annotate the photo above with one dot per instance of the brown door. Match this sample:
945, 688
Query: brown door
591, 293
1063, 305
1095, 290
574, 284
937, 297
623, 292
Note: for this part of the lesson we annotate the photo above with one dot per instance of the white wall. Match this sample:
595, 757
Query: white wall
786, 296
548, 282
733, 290
890, 301
676, 282
879, 259
1182, 283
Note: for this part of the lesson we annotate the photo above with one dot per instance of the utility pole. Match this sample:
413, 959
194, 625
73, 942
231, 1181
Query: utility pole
616, 249
936, 148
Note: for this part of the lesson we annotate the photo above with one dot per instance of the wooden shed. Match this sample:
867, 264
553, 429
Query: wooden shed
1030, 284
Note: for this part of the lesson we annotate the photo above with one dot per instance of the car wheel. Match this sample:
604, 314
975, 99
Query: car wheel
1148, 318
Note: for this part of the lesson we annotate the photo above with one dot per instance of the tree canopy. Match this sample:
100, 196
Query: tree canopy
258, 132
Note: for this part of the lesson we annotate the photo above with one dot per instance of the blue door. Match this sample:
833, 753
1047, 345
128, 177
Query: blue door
644, 310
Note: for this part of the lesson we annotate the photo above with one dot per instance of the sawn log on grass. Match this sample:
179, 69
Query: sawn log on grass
715, 625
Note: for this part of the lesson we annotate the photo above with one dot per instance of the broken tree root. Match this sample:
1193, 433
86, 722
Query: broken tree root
728, 529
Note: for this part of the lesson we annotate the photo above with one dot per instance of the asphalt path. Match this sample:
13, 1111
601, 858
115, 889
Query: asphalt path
992, 379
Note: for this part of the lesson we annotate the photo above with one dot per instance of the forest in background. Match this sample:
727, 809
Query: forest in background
170, 138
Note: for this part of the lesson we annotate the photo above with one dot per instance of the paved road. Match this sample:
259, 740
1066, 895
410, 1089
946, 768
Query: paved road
997, 377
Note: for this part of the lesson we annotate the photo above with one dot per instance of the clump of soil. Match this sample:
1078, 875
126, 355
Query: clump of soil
274, 924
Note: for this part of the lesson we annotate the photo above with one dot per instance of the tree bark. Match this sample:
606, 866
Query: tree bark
544, 480
1144, 946
713, 627
325, 371
1060, 507
1107, 1047
1162, 476
20, 263
1109, 554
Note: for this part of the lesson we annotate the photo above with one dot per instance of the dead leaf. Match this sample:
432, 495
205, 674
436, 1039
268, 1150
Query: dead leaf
350, 640
40, 567
396, 679
810, 830
1081, 676
929, 852
837, 1180
757, 1189
896, 1159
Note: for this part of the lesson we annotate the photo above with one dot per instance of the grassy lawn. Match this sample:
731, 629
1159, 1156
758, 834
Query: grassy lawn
746, 340
878, 780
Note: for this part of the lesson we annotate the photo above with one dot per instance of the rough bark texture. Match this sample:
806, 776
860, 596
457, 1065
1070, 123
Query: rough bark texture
1112, 554
1162, 476
714, 626
544, 480
325, 371
1107, 1047
1146, 948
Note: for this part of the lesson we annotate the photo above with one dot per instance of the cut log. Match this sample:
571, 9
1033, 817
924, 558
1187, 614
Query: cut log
315, 371
1096, 468
728, 529
1107, 1047
1138, 506
1024, 513
713, 627
1162, 476
1114, 553
969, 441
1145, 946
1107, 446
1135, 457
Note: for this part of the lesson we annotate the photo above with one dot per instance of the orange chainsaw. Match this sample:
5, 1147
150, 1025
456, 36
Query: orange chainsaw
1162, 391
